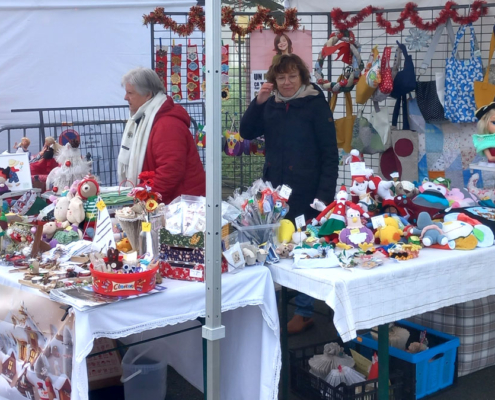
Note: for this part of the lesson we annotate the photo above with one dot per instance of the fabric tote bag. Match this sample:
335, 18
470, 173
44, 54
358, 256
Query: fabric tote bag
416, 121
344, 126
427, 91
365, 138
363, 90
484, 91
459, 80
379, 118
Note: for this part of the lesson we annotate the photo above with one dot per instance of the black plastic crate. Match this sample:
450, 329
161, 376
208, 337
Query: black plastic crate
310, 387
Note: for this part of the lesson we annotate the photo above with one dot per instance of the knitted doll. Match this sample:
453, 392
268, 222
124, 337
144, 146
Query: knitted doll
484, 142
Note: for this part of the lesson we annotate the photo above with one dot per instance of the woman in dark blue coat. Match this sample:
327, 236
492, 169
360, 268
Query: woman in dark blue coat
300, 146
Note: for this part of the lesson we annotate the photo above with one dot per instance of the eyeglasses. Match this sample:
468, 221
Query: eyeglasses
282, 78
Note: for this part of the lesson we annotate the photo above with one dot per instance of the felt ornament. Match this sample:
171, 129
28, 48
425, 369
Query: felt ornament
456, 229
193, 85
355, 233
113, 259
285, 231
466, 243
175, 72
161, 63
333, 356
359, 188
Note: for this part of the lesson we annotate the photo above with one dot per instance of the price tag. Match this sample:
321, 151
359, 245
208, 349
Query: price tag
394, 175
100, 205
195, 273
300, 221
378, 221
146, 226
285, 192
358, 168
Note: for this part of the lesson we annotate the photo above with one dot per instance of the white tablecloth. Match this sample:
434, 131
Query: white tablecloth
250, 351
365, 298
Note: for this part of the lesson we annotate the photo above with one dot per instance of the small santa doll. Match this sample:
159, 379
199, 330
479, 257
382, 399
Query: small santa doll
332, 218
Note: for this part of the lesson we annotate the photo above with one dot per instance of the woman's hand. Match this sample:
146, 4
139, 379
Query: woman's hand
264, 93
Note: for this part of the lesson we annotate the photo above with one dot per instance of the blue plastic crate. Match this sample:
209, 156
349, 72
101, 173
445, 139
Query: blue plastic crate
429, 371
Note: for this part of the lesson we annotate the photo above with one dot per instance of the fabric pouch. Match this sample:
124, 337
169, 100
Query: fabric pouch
365, 138
344, 126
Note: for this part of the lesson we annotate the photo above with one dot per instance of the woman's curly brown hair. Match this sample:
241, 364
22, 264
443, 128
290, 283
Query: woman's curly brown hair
285, 64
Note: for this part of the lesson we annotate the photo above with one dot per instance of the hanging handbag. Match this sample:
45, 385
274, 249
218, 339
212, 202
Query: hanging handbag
426, 91
459, 80
402, 157
416, 121
363, 90
344, 126
387, 83
379, 118
484, 91
365, 138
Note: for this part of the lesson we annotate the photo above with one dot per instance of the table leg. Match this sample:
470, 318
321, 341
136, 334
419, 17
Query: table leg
284, 345
383, 369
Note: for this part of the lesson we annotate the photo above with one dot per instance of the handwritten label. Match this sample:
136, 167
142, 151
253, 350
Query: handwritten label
300, 221
100, 205
378, 222
285, 192
358, 169
146, 226
195, 273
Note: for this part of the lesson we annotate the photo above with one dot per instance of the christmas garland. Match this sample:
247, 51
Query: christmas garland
341, 21
196, 19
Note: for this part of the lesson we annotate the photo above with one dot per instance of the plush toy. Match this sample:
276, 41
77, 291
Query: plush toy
124, 245
4, 176
406, 188
49, 230
283, 250
430, 232
484, 141
75, 211
359, 188
382, 193
480, 193
390, 233
298, 237
285, 231
113, 259
355, 234
60, 211
460, 198
332, 218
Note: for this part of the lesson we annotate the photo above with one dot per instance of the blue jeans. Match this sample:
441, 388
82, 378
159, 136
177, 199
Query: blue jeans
304, 305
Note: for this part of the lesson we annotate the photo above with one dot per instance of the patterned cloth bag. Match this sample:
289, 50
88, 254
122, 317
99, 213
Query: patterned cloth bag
459, 80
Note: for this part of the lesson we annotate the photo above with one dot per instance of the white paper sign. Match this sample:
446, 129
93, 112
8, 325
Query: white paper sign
300, 221
358, 168
378, 221
257, 80
285, 192
195, 273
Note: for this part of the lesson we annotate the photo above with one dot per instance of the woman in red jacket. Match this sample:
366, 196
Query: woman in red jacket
157, 138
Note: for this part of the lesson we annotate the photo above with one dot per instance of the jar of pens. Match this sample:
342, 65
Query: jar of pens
261, 208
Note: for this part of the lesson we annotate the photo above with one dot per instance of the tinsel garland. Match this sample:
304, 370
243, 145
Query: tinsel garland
341, 22
196, 19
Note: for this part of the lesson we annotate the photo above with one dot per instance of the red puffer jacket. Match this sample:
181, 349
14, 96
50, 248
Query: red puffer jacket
172, 154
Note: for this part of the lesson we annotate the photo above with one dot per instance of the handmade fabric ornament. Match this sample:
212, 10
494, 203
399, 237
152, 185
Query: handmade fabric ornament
374, 76
161, 63
193, 90
201, 136
346, 47
417, 39
225, 73
344, 126
175, 72
387, 83
390, 233
484, 91
333, 356
459, 80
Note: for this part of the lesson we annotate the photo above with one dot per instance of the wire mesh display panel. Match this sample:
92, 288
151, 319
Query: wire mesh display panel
241, 171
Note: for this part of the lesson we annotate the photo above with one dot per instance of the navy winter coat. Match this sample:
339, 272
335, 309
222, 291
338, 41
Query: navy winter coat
300, 147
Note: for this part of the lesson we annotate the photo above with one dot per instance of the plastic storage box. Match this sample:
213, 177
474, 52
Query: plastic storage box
144, 373
309, 387
426, 372
258, 234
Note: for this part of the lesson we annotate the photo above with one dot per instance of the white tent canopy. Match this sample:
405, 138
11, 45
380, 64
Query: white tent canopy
71, 53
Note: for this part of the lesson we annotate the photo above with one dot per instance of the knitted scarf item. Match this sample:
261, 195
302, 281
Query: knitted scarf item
483, 142
135, 139
278, 96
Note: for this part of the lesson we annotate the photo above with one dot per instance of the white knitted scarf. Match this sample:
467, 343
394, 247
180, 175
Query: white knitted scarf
135, 139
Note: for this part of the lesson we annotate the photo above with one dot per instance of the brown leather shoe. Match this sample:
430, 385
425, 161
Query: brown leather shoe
299, 324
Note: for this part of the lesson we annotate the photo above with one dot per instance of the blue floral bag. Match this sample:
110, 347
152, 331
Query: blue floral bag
459, 80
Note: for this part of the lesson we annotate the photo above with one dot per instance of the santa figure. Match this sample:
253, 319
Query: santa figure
332, 218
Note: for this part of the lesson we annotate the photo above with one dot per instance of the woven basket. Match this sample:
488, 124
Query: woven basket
226, 230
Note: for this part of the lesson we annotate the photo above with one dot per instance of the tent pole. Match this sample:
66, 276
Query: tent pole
213, 330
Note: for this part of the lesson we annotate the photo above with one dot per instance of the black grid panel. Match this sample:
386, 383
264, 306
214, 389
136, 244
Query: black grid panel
242, 171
